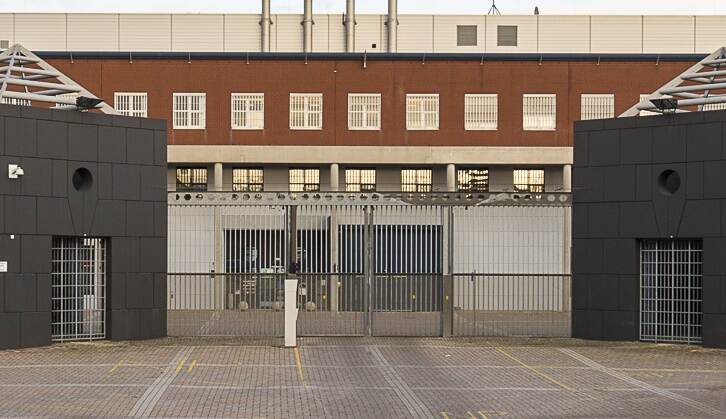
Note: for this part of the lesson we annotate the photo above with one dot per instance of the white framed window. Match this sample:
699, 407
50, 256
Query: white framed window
416, 180
190, 110
480, 112
131, 104
714, 107
539, 112
364, 111
306, 111
14, 101
360, 180
304, 180
529, 180
246, 179
597, 106
248, 110
422, 112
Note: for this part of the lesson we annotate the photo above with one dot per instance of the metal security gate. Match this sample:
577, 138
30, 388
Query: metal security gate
671, 292
78, 283
369, 264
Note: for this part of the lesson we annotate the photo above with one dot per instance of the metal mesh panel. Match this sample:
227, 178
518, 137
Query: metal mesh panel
529, 180
597, 107
248, 111
306, 111
539, 112
422, 112
78, 282
480, 112
416, 180
506, 36
671, 292
364, 111
247, 180
466, 35
189, 110
131, 104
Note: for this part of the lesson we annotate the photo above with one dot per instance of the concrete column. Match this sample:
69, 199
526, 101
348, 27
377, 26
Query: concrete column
334, 177
350, 26
450, 178
218, 176
567, 178
265, 26
308, 26
392, 22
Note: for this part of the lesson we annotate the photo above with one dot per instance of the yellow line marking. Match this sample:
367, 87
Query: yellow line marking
298, 362
534, 370
180, 365
116, 366
445, 415
191, 367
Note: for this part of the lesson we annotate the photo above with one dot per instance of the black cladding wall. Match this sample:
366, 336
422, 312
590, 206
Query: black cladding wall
618, 201
126, 204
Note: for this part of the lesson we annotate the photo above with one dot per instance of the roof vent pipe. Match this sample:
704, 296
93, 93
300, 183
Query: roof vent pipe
350, 26
308, 26
392, 22
265, 26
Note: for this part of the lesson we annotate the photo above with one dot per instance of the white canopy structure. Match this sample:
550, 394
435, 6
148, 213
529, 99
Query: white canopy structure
26, 78
701, 87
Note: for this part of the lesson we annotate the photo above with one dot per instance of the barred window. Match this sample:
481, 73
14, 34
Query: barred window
416, 180
422, 112
14, 101
472, 180
190, 110
714, 107
601, 106
364, 111
360, 180
306, 110
248, 111
539, 112
248, 179
131, 104
191, 179
304, 180
480, 112
529, 180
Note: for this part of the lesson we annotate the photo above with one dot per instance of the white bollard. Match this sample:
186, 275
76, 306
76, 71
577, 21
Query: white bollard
291, 313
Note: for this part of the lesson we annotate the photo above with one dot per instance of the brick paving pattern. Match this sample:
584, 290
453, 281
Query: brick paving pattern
363, 377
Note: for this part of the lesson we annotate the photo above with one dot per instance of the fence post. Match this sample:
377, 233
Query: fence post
218, 279
447, 308
367, 265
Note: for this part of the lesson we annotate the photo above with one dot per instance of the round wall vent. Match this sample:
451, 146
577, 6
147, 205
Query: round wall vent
82, 179
669, 181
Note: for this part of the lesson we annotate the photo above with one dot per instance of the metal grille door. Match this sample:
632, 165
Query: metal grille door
671, 293
78, 289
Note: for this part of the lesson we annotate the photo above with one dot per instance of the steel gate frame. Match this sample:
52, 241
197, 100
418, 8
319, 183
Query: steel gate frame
397, 256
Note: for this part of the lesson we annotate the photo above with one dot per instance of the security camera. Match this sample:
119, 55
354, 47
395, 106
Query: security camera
15, 171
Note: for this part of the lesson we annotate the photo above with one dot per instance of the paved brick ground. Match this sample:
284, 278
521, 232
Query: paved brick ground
364, 377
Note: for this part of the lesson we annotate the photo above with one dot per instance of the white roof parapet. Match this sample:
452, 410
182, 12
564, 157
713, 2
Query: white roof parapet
698, 86
36, 80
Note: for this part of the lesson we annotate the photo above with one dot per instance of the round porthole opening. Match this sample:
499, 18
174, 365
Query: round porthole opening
669, 181
82, 179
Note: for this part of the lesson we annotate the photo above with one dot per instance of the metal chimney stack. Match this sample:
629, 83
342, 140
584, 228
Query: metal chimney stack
392, 22
265, 26
350, 26
308, 26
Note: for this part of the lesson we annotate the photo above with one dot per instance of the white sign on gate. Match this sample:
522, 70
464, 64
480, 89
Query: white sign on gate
3, 265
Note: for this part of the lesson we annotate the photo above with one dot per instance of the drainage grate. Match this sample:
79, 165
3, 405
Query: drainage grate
78, 289
671, 293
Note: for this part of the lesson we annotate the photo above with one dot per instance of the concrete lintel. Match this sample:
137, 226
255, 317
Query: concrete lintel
369, 155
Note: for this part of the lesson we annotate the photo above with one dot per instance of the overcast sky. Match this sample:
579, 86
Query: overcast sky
700, 7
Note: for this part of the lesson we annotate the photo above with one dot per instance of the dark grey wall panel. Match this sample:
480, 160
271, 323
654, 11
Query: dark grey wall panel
51, 145
605, 263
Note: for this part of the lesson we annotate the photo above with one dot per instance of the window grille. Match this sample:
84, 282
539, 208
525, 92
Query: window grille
597, 106
191, 179
472, 180
364, 111
422, 111
306, 110
78, 288
248, 111
14, 101
529, 180
360, 180
539, 112
480, 112
714, 107
506, 36
671, 291
466, 35
248, 180
304, 180
416, 180
190, 110
131, 104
